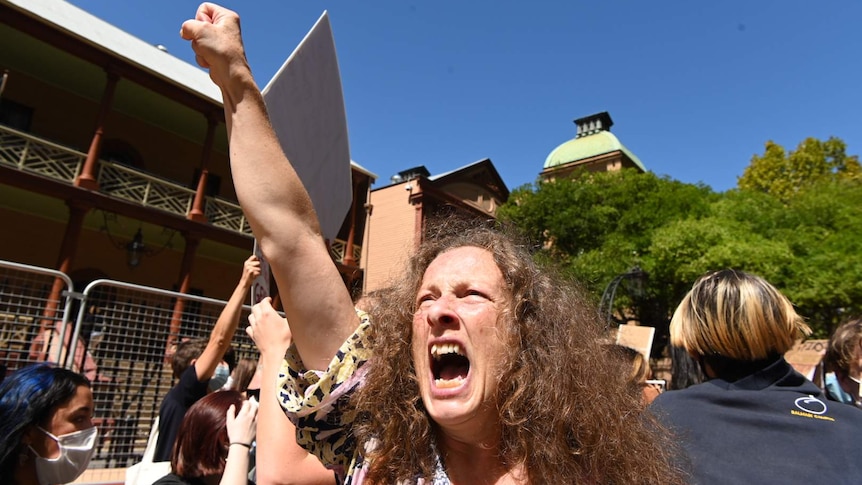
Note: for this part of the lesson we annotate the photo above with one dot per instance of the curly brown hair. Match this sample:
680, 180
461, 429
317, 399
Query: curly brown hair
565, 415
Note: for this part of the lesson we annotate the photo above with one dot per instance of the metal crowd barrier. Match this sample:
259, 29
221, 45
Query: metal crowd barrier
122, 335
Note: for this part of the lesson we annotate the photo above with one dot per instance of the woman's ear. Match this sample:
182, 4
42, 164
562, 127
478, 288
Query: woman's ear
30, 435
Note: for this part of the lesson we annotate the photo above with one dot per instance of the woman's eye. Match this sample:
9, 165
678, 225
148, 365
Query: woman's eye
424, 301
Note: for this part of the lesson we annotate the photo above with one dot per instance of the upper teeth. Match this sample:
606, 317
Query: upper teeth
438, 350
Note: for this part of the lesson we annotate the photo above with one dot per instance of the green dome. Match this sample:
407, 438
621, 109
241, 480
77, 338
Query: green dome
588, 146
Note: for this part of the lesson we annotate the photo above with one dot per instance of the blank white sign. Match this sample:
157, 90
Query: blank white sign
306, 107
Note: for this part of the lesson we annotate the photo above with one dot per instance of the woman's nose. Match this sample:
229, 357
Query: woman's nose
441, 312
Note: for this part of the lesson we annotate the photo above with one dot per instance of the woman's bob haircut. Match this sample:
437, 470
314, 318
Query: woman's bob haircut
736, 315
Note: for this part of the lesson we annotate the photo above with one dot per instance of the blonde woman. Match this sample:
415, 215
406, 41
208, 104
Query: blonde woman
754, 419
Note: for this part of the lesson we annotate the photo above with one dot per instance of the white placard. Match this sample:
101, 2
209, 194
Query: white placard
805, 356
260, 286
306, 106
637, 337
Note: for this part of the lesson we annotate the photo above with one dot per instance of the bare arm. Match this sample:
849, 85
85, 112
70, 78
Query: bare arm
240, 424
279, 459
227, 322
272, 196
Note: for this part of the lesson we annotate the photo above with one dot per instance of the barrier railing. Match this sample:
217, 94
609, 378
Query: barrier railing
32, 323
121, 333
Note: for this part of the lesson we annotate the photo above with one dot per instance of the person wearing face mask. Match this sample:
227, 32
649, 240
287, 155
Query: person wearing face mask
47, 435
202, 366
843, 361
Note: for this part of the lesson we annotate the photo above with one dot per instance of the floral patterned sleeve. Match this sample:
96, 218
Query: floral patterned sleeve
316, 401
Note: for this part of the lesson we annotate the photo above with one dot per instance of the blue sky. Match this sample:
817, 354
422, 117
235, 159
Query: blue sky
694, 88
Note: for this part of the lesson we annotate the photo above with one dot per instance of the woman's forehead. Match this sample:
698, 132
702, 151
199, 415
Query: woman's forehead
80, 403
463, 257
466, 264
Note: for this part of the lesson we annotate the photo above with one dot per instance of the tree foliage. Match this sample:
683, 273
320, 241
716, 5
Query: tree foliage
783, 174
599, 225
804, 237
823, 227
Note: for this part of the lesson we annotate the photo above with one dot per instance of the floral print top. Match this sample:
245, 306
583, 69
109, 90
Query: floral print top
316, 402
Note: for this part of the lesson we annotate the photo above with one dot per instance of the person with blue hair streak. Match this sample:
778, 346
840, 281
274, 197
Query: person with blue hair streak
47, 436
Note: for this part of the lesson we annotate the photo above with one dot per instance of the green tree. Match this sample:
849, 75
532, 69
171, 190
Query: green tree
596, 226
823, 228
810, 248
599, 225
740, 232
783, 174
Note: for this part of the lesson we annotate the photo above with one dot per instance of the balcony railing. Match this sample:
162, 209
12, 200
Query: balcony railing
35, 155
338, 250
32, 154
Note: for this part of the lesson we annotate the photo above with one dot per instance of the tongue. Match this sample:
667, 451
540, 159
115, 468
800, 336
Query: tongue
454, 371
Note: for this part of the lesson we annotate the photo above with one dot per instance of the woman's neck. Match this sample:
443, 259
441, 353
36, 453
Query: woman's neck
478, 463
732, 370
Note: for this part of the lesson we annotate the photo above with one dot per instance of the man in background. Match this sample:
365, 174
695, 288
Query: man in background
202, 365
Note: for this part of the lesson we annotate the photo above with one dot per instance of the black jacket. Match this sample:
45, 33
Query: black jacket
773, 426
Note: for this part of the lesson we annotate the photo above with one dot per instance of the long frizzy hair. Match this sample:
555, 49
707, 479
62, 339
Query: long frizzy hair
565, 415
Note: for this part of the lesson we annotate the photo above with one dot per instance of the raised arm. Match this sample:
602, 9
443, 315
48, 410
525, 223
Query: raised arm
273, 198
225, 327
280, 460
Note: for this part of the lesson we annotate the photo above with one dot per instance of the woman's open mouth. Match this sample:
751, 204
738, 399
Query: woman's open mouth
449, 365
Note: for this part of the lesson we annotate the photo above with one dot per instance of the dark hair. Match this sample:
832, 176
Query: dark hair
28, 397
243, 374
579, 422
684, 371
184, 355
229, 358
192, 349
202, 442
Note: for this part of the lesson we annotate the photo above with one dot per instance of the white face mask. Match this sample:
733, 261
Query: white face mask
76, 449
219, 378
